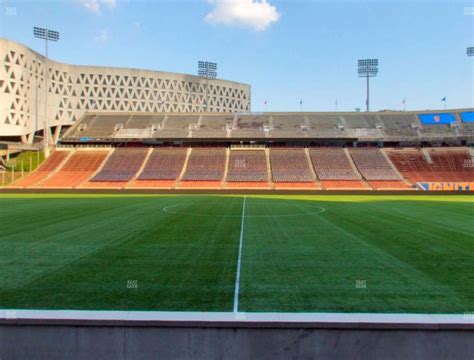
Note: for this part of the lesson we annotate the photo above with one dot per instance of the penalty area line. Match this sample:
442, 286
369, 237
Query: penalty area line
239, 259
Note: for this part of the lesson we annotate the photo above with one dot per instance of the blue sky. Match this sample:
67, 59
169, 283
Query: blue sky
287, 50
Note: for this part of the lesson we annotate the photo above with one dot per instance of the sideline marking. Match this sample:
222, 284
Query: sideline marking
239, 259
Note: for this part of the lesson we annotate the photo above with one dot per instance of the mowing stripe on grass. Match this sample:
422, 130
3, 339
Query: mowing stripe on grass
239, 259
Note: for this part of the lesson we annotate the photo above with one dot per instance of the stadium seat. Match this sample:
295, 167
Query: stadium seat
247, 166
164, 164
46, 169
333, 164
290, 165
205, 164
78, 168
443, 165
121, 166
374, 165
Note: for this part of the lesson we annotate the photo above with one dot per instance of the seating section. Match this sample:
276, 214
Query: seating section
250, 126
176, 126
205, 164
447, 165
399, 125
78, 169
213, 126
333, 164
383, 125
441, 130
288, 126
49, 166
122, 165
373, 164
290, 165
247, 166
335, 168
164, 164
102, 126
144, 121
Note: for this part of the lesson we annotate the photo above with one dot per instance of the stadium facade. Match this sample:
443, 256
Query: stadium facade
74, 89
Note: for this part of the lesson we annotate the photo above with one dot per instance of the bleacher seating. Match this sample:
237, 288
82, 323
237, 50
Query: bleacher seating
288, 126
176, 126
102, 126
77, 169
447, 165
205, 164
399, 125
122, 165
390, 125
143, 121
164, 164
360, 121
441, 130
250, 126
325, 126
45, 170
373, 165
290, 165
213, 126
332, 164
247, 166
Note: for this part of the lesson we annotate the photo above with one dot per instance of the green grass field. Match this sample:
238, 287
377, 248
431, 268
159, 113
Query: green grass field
321, 253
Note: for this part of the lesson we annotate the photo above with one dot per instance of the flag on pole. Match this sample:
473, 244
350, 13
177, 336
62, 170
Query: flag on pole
404, 101
443, 99
265, 102
301, 102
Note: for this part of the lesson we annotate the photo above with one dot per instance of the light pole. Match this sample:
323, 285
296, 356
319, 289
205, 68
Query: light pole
46, 35
368, 68
209, 71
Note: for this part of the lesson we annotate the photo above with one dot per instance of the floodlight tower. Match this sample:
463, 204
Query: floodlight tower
368, 68
209, 71
470, 51
46, 35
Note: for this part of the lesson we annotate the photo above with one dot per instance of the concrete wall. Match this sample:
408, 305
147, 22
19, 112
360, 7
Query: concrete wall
118, 342
75, 89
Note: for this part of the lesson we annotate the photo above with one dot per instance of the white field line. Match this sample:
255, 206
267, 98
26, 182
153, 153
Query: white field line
239, 259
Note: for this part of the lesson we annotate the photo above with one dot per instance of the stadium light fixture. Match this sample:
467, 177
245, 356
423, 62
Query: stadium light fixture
368, 68
209, 71
470, 51
46, 35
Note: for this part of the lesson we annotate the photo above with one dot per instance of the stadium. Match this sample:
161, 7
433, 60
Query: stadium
161, 207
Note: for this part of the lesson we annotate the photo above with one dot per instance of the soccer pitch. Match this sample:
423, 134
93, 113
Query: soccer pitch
259, 253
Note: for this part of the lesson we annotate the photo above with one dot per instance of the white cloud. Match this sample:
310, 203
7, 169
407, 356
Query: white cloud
257, 14
110, 3
102, 37
96, 6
